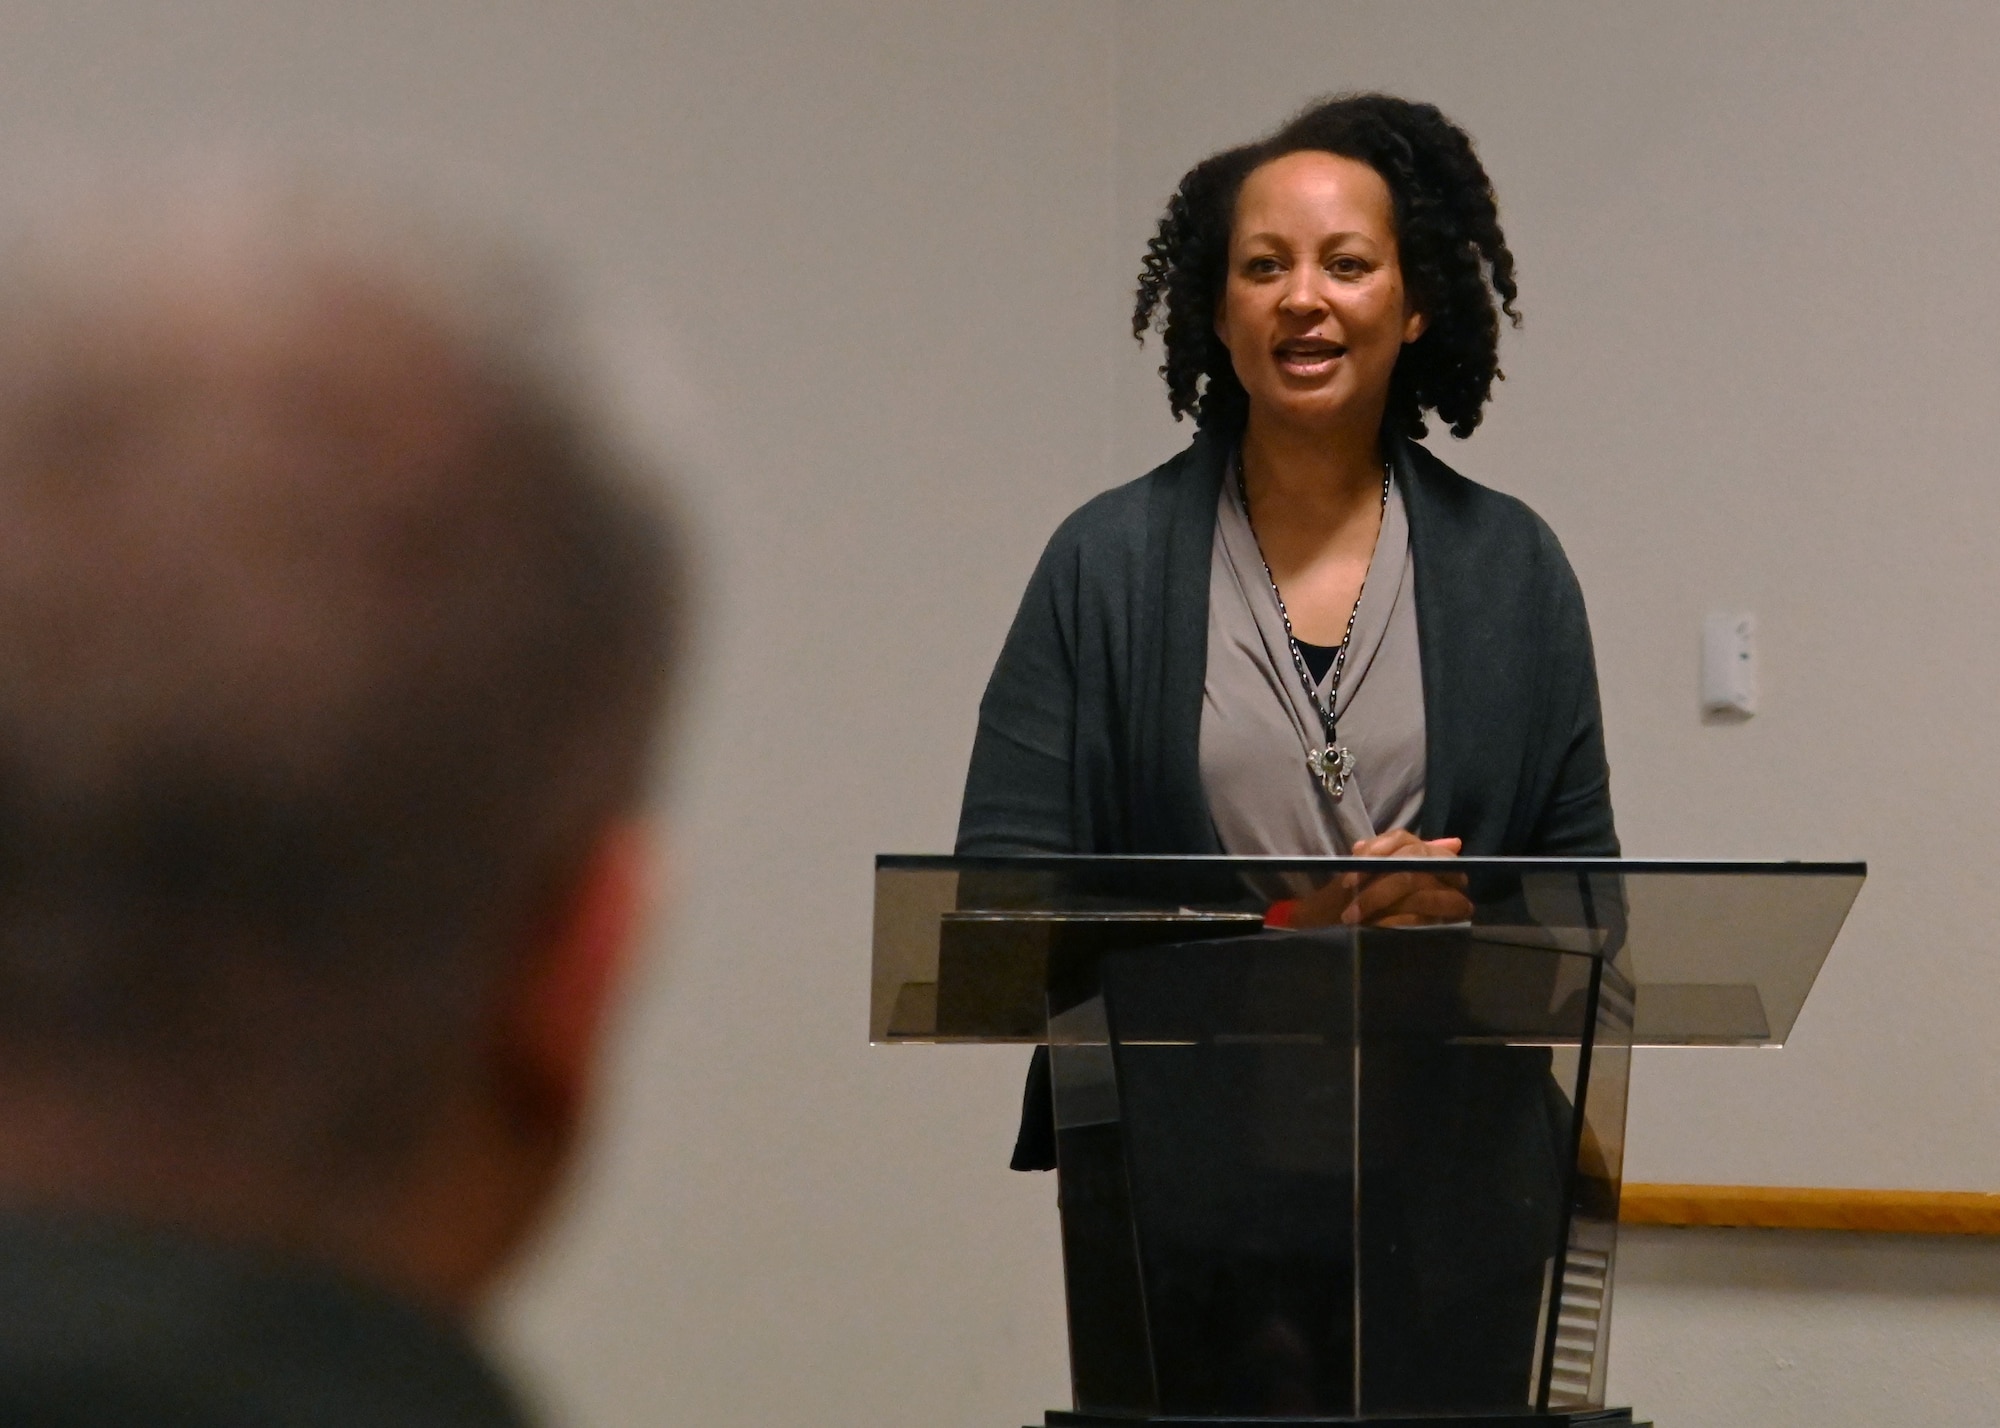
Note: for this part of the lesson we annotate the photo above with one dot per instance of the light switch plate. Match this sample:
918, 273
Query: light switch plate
1729, 665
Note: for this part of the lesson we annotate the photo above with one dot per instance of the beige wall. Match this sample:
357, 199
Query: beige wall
895, 241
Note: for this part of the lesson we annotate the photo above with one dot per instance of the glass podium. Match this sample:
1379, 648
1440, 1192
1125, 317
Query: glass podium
1340, 1140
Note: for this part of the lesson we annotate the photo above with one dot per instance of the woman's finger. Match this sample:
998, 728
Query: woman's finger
1422, 915
1439, 904
1382, 893
1387, 845
1402, 843
1391, 893
1421, 919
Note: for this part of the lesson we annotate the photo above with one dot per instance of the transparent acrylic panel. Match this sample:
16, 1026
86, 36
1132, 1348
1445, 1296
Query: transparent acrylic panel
1716, 954
1310, 1168
1578, 1330
1110, 1349
1204, 1095
1467, 1134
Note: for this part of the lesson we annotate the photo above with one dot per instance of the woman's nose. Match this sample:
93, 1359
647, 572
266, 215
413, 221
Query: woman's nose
1303, 295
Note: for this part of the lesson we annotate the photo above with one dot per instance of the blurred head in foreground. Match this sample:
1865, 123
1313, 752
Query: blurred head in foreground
334, 630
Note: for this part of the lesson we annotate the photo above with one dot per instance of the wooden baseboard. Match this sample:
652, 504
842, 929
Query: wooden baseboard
1893, 1212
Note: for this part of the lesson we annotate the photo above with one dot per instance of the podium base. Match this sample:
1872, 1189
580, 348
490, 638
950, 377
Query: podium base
1526, 1418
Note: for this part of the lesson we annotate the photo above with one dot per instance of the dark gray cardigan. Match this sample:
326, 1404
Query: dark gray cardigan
1090, 732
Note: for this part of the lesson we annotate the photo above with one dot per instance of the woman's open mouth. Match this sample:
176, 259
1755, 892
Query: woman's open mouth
1308, 356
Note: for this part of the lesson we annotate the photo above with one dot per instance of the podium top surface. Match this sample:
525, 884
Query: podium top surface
1115, 865
1713, 953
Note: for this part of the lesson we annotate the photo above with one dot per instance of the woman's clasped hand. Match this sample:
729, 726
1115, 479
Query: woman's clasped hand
1405, 897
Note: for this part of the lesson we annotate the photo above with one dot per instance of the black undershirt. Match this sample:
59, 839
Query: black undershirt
1318, 658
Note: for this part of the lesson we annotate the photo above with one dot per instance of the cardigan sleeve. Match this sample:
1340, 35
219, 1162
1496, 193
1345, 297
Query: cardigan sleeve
1018, 787
1576, 821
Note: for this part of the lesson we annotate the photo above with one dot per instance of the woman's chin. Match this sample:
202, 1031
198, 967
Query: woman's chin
1321, 408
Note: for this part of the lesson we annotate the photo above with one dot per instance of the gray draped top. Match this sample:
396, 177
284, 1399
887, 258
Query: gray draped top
1257, 726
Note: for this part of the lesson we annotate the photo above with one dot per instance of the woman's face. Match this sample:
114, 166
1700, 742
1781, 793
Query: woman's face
1313, 311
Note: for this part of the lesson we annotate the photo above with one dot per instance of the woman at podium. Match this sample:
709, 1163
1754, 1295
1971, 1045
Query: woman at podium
1306, 634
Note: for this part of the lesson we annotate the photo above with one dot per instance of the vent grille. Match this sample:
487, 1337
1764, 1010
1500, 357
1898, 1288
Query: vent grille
1579, 1327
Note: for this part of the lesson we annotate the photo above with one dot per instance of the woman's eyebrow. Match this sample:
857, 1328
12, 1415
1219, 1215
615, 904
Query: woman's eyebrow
1345, 235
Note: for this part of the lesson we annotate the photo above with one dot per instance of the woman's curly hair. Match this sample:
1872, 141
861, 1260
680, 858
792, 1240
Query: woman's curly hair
1454, 258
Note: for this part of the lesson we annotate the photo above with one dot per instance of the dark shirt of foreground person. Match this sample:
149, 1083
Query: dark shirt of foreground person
335, 629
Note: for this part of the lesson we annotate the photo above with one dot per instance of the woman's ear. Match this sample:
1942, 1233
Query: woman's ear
1415, 324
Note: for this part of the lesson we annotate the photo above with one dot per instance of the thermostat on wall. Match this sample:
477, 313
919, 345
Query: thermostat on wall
1729, 665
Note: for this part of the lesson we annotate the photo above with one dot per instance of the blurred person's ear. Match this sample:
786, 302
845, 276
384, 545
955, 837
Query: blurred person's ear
493, 1161
552, 1028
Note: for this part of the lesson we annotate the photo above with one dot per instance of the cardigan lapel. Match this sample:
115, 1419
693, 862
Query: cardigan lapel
1440, 660
1181, 526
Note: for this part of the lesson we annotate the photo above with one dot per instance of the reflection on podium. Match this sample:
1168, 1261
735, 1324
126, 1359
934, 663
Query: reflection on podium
1343, 1173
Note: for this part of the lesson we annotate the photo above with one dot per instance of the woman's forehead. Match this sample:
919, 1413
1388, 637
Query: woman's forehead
1311, 192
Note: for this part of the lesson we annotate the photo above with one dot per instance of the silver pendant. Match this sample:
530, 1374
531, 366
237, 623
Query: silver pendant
1334, 766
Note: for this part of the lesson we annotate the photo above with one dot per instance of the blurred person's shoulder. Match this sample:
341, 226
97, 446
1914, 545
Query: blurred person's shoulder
106, 1325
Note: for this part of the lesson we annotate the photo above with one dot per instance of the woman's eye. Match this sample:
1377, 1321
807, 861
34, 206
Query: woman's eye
1261, 267
1347, 267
